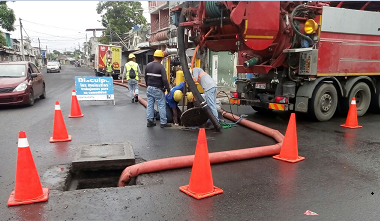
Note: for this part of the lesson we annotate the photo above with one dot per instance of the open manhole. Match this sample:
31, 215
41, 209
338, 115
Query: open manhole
99, 165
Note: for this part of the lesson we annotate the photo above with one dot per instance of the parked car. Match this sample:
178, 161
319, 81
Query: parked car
53, 67
59, 64
20, 83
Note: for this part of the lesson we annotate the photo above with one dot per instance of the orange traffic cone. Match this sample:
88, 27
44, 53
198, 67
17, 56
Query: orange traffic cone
59, 129
289, 149
352, 116
75, 109
201, 184
28, 187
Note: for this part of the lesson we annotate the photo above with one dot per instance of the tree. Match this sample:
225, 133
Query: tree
69, 53
56, 52
7, 19
120, 16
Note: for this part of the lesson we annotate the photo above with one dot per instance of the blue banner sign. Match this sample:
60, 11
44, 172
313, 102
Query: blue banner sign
94, 88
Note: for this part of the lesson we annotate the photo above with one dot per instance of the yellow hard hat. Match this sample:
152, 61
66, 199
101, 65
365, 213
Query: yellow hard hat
190, 97
158, 53
131, 56
177, 95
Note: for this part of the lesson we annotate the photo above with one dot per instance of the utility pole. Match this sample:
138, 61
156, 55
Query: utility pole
109, 27
85, 51
46, 54
86, 46
39, 48
22, 42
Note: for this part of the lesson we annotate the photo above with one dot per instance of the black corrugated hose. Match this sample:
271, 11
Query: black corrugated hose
188, 78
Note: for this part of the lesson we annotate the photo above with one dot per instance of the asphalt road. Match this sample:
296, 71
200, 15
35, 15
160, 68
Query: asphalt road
336, 180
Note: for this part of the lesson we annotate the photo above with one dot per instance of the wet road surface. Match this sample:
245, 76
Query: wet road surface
336, 180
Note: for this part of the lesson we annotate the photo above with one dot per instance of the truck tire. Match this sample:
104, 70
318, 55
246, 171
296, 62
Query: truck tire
324, 102
362, 95
375, 100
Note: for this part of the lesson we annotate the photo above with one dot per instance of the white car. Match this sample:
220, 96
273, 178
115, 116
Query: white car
53, 67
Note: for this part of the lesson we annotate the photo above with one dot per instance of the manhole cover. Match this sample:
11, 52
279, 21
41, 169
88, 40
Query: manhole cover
103, 156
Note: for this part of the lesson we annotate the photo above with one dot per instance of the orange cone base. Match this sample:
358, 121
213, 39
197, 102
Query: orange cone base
299, 158
199, 196
42, 198
52, 140
351, 127
76, 116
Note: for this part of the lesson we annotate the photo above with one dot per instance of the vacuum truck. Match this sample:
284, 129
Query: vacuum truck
310, 57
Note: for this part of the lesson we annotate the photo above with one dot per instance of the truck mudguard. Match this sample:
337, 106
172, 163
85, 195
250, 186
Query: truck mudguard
352, 81
307, 89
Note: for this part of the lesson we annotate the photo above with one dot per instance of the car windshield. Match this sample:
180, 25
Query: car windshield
12, 70
52, 63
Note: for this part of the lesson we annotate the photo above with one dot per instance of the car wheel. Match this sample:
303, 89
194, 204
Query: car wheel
43, 95
48, 71
324, 102
31, 98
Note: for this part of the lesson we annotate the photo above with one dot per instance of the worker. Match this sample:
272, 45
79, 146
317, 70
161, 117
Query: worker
172, 99
209, 87
109, 68
132, 72
157, 83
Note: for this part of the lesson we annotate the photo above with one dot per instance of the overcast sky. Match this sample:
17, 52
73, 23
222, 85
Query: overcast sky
60, 25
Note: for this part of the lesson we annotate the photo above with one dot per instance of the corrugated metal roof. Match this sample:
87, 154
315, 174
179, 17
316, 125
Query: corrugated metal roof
141, 51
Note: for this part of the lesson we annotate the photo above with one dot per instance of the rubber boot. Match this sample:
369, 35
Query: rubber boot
150, 123
136, 98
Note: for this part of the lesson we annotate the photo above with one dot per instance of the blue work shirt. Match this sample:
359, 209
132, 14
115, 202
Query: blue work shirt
169, 99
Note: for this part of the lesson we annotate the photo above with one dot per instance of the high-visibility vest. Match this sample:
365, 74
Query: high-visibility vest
134, 66
199, 77
109, 67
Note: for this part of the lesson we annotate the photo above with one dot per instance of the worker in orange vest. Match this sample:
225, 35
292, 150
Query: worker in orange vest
209, 86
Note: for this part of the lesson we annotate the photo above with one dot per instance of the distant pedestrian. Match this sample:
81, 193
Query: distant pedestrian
157, 82
132, 72
109, 68
209, 86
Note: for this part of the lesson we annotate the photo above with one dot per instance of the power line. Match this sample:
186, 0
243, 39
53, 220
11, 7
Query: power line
53, 35
49, 25
26, 33
49, 40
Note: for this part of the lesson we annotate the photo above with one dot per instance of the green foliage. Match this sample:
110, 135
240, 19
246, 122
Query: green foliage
121, 16
57, 52
77, 52
3, 41
7, 19
104, 40
52, 56
68, 53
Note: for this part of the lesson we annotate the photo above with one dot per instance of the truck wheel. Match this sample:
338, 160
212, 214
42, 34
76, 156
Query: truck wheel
262, 110
375, 101
324, 102
362, 95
